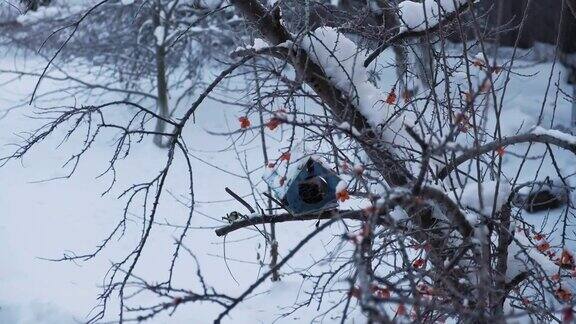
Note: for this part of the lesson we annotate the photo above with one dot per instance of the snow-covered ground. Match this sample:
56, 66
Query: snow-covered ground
45, 219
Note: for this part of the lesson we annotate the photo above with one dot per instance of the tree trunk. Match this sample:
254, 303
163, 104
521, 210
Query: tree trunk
161, 86
573, 120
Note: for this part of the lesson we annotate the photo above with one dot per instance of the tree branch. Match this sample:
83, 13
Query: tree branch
524, 138
339, 103
572, 5
415, 33
276, 268
281, 218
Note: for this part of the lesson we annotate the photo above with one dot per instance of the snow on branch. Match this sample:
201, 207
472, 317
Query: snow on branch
537, 135
51, 13
559, 135
524, 255
483, 200
419, 16
344, 110
339, 57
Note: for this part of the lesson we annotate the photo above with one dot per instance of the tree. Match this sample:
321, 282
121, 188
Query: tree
118, 40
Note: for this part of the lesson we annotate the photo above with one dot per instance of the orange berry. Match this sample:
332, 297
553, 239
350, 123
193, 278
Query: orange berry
418, 263
401, 310
563, 294
500, 151
244, 122
343, 195
566, 259
285, 156
391, 99
273, 123
543, 247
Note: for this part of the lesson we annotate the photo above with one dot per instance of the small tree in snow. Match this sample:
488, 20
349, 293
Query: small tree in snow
150, 53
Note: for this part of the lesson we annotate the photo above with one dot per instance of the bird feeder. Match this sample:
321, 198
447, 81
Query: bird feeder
305, 187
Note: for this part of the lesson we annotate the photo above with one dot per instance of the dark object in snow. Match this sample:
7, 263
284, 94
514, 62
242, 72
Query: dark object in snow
542, 197
571, 79
33, 5
309, 187
542, 200
313, 190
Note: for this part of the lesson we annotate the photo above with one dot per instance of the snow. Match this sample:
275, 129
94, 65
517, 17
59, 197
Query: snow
55, 11
342, 185
571, 139
34, 312
460, 77
339, 58
345, 126
398, 214
481, 58
212, 4
160, 34
342, 62
523, 255
470, 198
416, 16
199, 29
127, 2
43, 13
258, 44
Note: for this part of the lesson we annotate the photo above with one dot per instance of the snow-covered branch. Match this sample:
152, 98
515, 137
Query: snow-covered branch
421, 18
538, 135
